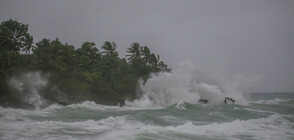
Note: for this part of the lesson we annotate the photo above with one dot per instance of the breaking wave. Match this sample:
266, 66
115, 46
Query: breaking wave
56, 122
186, 84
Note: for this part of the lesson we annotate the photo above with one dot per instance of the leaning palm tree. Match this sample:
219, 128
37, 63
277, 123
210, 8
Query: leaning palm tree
153, 60
109, 49
134, 52
146, 54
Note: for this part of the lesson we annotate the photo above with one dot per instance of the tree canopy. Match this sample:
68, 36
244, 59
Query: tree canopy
75, 73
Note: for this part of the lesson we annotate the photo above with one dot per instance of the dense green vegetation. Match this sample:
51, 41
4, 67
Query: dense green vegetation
74, 75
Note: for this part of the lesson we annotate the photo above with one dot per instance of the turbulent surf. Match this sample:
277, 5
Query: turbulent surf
260, 119
167, 108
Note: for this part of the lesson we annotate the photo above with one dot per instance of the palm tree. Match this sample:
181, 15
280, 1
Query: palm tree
146, 54
109, 49
153, 60
28, 42
134, 52
112, 61
158, 65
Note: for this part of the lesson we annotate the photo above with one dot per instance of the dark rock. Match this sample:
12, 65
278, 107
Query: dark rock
203, 101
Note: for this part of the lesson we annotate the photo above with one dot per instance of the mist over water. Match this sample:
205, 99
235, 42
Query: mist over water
188, 84
28, 88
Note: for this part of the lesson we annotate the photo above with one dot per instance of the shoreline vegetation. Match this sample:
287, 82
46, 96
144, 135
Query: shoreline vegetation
73, 74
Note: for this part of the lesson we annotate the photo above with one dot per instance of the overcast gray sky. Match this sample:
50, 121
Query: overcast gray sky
251, 38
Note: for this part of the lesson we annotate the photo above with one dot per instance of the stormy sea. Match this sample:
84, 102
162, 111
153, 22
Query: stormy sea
167, 108
265, 118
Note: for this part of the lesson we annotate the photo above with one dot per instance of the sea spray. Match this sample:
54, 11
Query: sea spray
28, 86
186, 84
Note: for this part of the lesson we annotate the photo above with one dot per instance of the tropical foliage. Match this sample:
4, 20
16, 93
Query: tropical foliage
74, 75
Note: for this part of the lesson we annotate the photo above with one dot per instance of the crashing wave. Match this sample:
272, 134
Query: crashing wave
185, 84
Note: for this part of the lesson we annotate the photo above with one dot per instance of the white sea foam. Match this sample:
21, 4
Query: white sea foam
128, 127
91, 105
273, 127
186, 84
181, 106
260, 111
109, 128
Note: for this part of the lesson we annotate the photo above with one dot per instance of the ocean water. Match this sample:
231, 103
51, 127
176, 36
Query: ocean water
167, 108
270, 116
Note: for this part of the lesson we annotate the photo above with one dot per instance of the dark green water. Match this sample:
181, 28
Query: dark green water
267, 116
